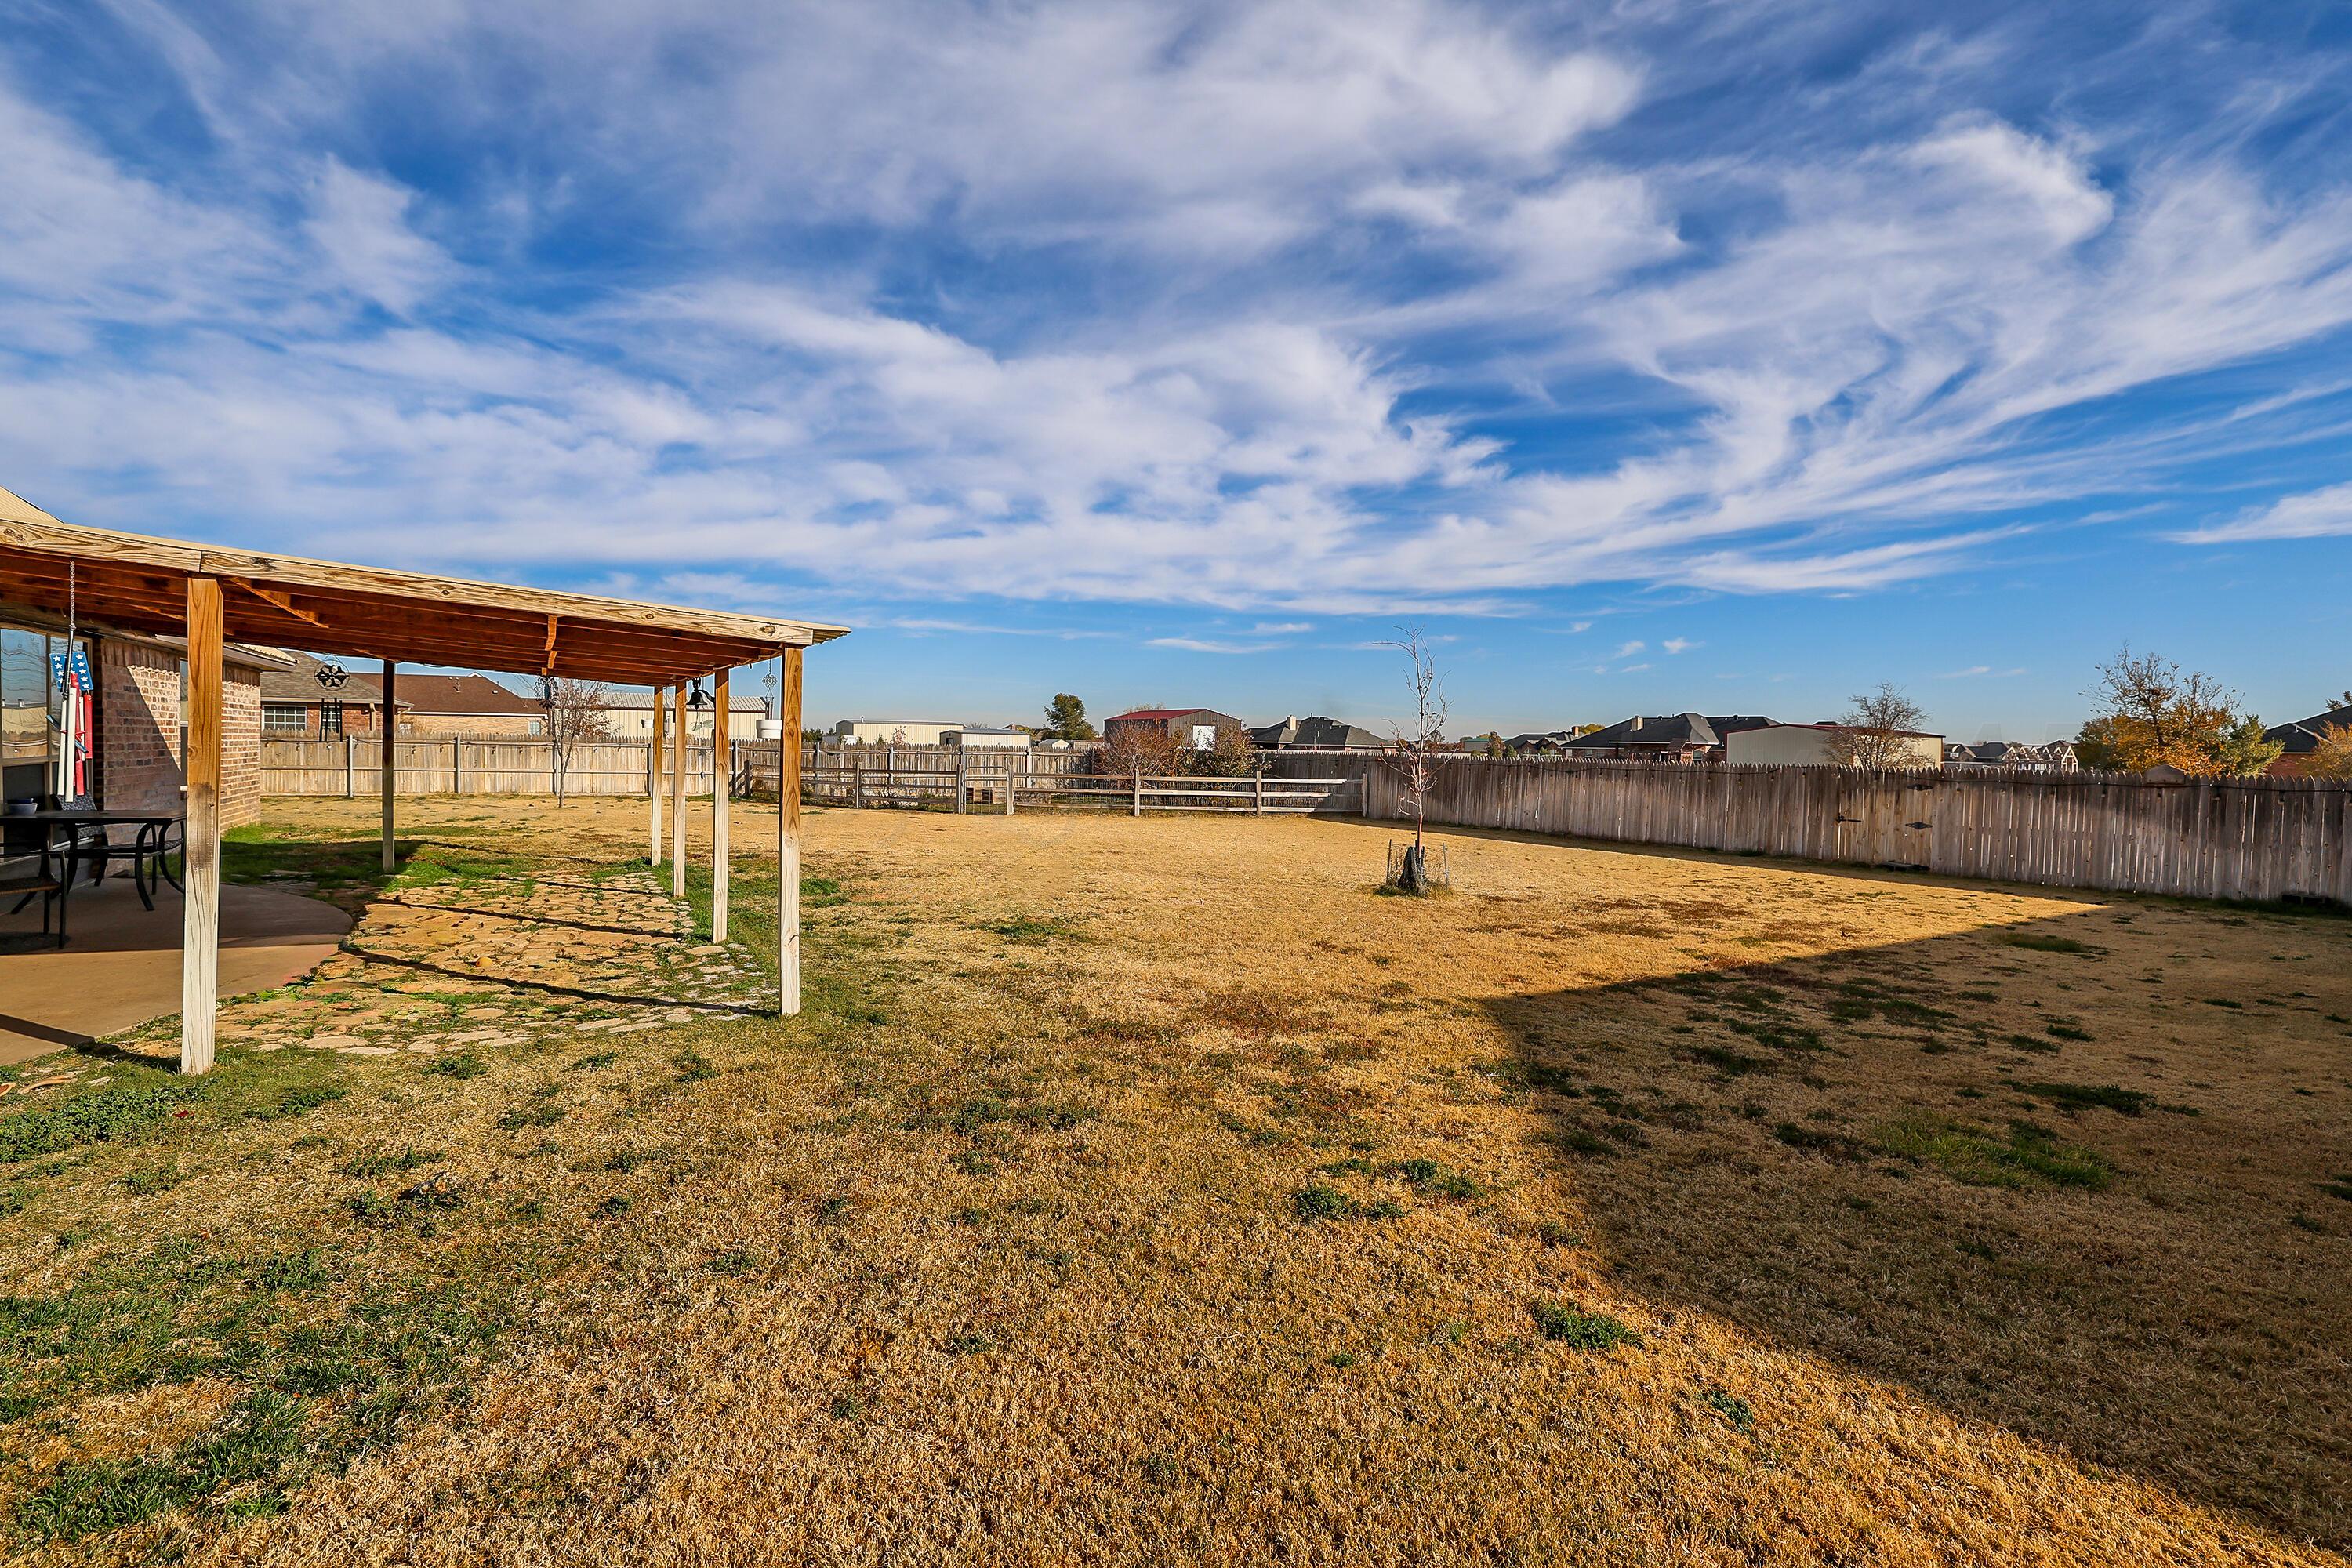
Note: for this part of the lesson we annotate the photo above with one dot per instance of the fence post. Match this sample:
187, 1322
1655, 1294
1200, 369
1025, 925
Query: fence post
456, 770
857, 788
1260, 779
351, 790
1136, 808
959, 780
1008, 783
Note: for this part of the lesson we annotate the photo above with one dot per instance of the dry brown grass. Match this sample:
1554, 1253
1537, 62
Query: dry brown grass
999, 1255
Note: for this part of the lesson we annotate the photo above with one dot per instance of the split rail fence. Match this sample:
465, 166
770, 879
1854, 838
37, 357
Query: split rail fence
2261, 839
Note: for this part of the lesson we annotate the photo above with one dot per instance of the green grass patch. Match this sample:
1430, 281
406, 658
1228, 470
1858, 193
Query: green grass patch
2088, 1096
109, 1115
1580, 1330
2021, 1155
2043, 942
1034, 929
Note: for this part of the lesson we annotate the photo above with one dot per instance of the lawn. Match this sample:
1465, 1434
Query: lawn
1152, 1191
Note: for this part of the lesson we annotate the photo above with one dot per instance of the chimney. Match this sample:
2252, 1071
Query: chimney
1637, 724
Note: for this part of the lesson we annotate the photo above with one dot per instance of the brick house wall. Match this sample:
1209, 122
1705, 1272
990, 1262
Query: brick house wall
138, 727
240, 795
138, 733
475, 726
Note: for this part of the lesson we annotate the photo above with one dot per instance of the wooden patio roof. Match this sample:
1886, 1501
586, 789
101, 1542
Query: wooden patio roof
139, 584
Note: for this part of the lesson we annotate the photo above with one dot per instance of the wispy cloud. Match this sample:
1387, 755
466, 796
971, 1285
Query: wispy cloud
1628, 650
1281, 628
1204, 645
2316, 514
1680, 644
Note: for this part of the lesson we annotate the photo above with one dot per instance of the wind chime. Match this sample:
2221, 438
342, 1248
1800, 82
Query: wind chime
69, 671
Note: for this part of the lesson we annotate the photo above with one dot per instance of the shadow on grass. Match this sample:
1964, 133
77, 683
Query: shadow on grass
1893, 1158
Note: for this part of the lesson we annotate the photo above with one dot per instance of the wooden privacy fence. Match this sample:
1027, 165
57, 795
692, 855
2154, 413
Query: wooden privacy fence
2216, 838
443, 765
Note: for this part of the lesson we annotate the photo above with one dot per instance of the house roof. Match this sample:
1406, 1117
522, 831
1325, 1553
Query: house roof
1663, 730
143, 584
299, 683
475, 694
1328, 734
1157, 713
2303, 735
1833, 724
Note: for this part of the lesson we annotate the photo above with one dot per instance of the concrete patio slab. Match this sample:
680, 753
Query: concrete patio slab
122, 965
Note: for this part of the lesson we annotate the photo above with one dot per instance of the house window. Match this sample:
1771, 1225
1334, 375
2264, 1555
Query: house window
281, 719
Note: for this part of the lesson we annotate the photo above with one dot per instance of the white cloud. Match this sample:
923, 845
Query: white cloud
1281, 628
2315, 514
1679, 645
360, 224
1207, 645
1628, 650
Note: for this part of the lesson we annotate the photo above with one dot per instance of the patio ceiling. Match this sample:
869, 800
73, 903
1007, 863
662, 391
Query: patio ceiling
139, 583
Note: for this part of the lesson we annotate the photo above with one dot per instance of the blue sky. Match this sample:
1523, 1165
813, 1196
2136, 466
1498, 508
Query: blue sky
1652, 355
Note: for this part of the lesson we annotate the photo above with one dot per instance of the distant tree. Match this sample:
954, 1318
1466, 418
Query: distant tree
2332, 758
1494, 745
1066, 719
1415, 758
1229, 757
1875, 728
1139, 748
2155, 714
576, 713
2338, 704
2241, 752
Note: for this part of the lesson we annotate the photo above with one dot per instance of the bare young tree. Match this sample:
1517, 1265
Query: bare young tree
1415, 760
1873, 731
575, 712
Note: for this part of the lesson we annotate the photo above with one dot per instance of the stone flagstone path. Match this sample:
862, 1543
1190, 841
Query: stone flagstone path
478, 962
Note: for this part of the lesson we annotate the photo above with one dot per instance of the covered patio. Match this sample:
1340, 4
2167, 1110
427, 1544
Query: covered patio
210, 594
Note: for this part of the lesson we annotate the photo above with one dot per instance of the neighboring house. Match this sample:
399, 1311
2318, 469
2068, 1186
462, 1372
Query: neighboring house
1809, 745
1317, 734
131, 759
468, 705
629, 716
296, 704
978, 735
2301, 739
893, 731
1668, 737
2052, 757
1193, 727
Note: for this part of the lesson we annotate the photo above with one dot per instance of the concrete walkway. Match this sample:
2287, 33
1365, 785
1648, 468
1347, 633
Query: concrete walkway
121, 966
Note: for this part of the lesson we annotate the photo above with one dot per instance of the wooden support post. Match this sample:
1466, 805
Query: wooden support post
1138, 809
963, 780
391, 739
199, 912
654, 773
722, 780
858, 790
350, 768
457, 767
788, 844
1261, 795
1008, 781
681, 750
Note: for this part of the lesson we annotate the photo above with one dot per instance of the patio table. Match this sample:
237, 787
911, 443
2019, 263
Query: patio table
149, 849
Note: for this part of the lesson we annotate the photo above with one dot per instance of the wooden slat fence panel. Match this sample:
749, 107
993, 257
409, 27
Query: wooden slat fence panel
2261, 839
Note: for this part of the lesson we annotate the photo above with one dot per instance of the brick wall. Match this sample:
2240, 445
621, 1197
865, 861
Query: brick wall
240, 746
138, 728
139, 733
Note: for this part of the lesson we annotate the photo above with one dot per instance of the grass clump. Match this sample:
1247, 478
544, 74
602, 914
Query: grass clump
1580, 1330
463, 1064
1320, 1201
2088, 1096
2043, 942
95, 1116
1035, 928
2022, 1155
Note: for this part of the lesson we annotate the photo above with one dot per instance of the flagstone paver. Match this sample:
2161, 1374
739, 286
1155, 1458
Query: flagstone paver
484, 962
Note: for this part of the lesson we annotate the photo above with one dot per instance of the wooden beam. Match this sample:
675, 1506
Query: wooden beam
684, 749
283, 601
390, 730
720, 778
200, 911
788, 842
27, 527
654, 773
547, 654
